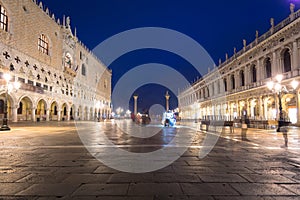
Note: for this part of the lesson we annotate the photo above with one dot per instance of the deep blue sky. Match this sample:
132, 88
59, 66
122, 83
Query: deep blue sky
218, 26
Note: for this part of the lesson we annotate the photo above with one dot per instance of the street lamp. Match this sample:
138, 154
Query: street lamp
278, 88
9, 87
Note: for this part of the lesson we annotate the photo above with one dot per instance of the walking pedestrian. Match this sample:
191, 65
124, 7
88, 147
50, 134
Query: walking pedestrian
284, 130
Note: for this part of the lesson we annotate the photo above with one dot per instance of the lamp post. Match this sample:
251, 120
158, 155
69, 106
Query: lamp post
278, 89
9, 87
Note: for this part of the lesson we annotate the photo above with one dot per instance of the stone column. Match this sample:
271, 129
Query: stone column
295, 56
276, 68
68, 114
58, 115
167, 96
135, 104
260, 70
248, 107
265, 108
88, 115
238, 109
247, 75
260, 104
33, 114
15, 114
48, 115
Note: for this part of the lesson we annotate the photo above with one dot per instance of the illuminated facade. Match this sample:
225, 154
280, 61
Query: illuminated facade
60, 78
239, 84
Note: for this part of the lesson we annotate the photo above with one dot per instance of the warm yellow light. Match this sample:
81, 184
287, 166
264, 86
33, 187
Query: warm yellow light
277, 87
270, 85
7, 77
17, 85
279, 77
294, 84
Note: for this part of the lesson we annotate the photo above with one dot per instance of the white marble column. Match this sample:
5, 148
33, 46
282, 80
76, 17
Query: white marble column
260, 70
15, 114
48, 115
276, 68
33, 114
260, 105
135, 104
295, 64
58, 115
68, 114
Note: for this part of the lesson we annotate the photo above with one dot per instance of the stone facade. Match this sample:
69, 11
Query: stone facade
238, 85
60, 78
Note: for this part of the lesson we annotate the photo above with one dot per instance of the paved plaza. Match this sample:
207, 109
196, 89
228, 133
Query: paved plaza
47, 160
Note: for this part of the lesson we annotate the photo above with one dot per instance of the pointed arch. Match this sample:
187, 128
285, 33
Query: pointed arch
286, 57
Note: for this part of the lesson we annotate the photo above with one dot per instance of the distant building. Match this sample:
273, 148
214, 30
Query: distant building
238, 85
60, 78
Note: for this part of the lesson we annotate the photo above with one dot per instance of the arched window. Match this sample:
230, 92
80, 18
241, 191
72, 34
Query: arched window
83, 70
242, 78
20, 109
287, 61
232, 82
225, 84
3, 19
268, 68
55, 110
1, 106
68, 61
43, 44
253, 74
65, 111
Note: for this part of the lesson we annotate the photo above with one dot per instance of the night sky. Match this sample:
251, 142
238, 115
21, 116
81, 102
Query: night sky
218, 26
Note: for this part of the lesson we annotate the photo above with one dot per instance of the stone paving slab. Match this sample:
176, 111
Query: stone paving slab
170, 189
57, 189
51, 163
260, 189
208, 189
222, 178
12, 188
102, 189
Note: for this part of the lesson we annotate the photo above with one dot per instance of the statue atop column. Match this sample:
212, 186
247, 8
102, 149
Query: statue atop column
167, 96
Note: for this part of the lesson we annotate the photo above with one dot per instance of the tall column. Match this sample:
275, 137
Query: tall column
68, 114
260, 105
58, 115
247, 75
135, 104
276, 68
33, 114
295, 56
248, 107
266, 108
260, 70
167, 100
15, 114
88, 115
48, 115
277, 105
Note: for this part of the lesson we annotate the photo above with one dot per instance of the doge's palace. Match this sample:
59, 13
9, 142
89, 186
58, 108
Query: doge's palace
60, 79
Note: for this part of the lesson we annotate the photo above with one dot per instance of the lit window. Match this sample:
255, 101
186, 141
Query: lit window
68, 61
3, 19
43, 44
83, 70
